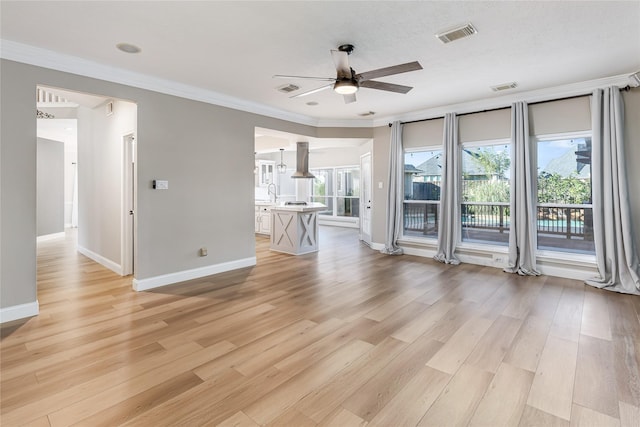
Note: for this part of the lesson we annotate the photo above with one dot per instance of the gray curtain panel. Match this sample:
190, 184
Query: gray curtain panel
613, 230
449, 200
523, 238
393, 223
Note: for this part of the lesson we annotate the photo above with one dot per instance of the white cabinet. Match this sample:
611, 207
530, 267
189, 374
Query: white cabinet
266, 172
263, 219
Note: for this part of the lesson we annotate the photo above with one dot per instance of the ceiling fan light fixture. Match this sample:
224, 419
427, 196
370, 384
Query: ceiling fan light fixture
346, 87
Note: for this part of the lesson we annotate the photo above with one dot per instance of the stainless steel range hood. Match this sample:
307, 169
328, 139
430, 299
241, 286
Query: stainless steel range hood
302, 161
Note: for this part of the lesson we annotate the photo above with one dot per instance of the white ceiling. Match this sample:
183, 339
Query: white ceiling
234, 48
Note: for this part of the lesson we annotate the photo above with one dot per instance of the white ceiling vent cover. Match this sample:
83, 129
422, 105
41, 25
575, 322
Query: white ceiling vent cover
288, 88
504, 86
456, 33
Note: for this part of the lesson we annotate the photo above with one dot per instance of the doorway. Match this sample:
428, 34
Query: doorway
365, 198
106, 173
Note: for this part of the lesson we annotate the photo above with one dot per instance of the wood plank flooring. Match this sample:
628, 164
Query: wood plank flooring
343, 337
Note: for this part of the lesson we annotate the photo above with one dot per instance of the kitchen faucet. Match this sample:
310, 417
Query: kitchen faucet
273, 190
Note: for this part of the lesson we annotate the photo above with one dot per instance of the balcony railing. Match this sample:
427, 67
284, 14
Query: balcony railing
421, 217
558, 225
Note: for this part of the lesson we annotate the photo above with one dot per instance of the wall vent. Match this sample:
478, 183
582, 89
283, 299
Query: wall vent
504, 86
288, 88
447, 36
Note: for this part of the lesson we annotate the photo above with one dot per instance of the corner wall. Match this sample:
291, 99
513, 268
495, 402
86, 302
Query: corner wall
50, 187
194, 145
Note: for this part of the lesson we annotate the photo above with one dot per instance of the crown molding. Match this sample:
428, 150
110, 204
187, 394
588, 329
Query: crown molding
538, 95
45, 58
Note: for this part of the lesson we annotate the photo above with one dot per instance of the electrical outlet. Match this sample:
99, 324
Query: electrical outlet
203, 251
499, 258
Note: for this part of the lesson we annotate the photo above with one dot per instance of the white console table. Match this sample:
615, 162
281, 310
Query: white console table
294, 228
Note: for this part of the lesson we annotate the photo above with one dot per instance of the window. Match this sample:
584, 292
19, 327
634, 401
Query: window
422, 179
348, 192
486, 169
338, 189
564, 211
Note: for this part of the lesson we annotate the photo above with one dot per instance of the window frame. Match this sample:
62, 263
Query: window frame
534, 140
475, 244
410, 237
334, 192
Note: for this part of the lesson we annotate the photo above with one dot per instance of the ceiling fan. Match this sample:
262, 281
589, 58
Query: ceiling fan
347, 82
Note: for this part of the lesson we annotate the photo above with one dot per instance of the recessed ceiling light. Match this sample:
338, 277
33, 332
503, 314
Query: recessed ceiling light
128, 47
312, 103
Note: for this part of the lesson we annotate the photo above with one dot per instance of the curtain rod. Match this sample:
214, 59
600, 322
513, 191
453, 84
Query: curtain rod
626, 89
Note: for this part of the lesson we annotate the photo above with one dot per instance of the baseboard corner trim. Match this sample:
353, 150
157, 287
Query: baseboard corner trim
20, 311
195, 273
116, 268
52, 236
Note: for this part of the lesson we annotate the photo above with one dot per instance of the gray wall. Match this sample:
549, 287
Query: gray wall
100, 162
196, 146
50, 187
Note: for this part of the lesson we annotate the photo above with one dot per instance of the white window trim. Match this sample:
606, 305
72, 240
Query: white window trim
334, 217
476, 246
565, 257
562, 136
485, 142
414, 239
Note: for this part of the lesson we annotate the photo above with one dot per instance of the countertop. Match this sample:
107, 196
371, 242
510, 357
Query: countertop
309, 207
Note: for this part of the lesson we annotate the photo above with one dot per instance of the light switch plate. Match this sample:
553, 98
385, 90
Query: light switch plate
160, 184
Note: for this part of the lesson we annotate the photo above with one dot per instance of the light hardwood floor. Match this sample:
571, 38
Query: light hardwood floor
343, 337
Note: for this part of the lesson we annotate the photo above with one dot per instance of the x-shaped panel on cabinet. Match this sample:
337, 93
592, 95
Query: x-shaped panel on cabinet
282, 218
308, 225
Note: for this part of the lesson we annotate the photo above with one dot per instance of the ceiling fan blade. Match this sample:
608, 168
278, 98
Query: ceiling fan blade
341, 61
389, 71
389, 87
309, 92
282, 76
348, 99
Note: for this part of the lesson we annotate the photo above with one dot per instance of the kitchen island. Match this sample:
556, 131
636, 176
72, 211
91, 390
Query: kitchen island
294, 228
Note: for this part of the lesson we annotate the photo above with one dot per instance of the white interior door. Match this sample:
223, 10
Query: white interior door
365, 198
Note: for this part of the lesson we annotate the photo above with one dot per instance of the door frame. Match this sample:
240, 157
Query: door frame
366, 181
128, 203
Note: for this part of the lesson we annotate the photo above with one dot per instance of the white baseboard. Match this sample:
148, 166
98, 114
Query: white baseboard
51, 236
15, 312
376, 246
196, 273
558, 265
116, 268
338, 222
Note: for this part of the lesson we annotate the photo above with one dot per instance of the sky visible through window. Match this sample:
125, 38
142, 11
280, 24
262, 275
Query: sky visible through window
550, 150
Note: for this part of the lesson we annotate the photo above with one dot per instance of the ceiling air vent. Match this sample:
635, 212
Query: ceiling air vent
456, 33
504, 86
288, 88
368, 113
